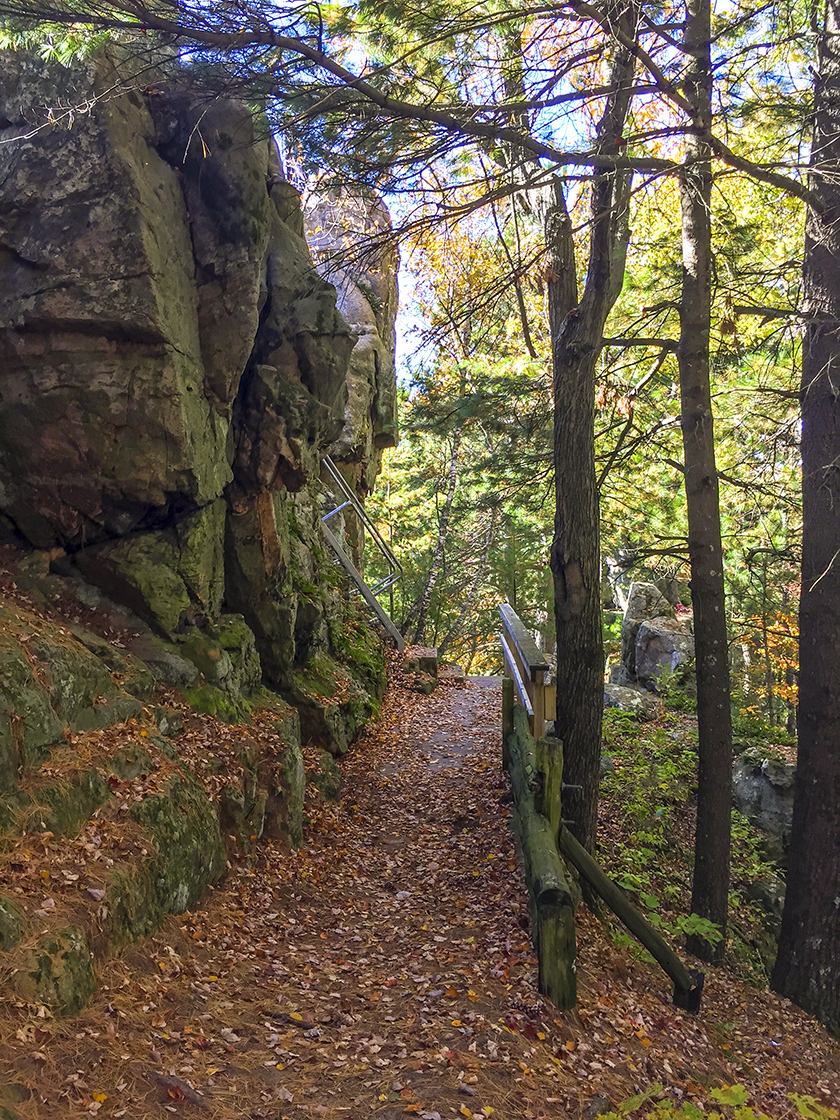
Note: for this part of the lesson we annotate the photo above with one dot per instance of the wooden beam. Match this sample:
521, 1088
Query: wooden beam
688, 983
552, 909
531, 656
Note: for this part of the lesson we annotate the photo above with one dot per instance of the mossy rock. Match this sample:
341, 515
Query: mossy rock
79, 685
190, 857
358, 646
201, 556
333, 703
10, 1095
11, 923
131, 761
59, 972
169, 721
284, 805
169, 577
164, 661
242, 815
136, 678
225, 655
141, 572
257, 558
133, 907
213, 702
206, 653
318, 680
327, 780
69, 805
29, 726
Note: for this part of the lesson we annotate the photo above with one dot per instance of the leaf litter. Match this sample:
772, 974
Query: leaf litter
385, 969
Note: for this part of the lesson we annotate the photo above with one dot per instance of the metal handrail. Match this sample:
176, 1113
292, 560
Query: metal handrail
395, 568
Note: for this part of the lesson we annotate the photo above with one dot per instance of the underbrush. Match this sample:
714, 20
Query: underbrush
733, 1098
647, 817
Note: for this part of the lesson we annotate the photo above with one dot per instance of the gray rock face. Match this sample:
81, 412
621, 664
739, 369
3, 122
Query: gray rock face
351, 243
144, 270
661, 645
632, 700
763, 792
103, 414
172, 366
644, 601
653, 641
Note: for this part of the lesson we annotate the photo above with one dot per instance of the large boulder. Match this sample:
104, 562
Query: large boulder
644, 601
661, 645
762, 790
173, 367
103, 416
634, 700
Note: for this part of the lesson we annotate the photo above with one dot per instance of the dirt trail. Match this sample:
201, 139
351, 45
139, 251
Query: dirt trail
385, 971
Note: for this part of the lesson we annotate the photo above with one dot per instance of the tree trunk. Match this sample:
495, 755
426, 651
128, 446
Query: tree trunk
710, 893
809, 944
577, 337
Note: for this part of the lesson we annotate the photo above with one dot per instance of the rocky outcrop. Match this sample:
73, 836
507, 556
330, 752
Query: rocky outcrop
350, 239
173, 368
762, 789
653, 641
662, 644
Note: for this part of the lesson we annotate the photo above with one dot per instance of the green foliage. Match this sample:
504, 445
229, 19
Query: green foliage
733, 1098
54, 42
648, 795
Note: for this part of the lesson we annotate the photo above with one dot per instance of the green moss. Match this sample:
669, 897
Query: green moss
201, 560
318, 679
79, 685
327, 780
141, 572
184, 829
130, 762
284, 804
59, 972
69, 805
11, 923
362, 650
213, 702
371, 296
28, 724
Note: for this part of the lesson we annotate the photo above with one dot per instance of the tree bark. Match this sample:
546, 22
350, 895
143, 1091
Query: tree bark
809, 944
577, 334
710, 892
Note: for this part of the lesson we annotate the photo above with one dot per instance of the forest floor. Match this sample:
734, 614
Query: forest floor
385, 971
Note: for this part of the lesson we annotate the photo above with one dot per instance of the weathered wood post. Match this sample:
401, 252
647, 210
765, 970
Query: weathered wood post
552, 909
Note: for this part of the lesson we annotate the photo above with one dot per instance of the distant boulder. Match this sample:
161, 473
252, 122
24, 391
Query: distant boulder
634, 700
644, 601
661, 645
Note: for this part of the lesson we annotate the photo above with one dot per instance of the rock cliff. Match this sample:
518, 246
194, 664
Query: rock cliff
172, 370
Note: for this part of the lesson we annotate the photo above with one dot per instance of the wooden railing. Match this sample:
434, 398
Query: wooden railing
535, 765
527, 665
